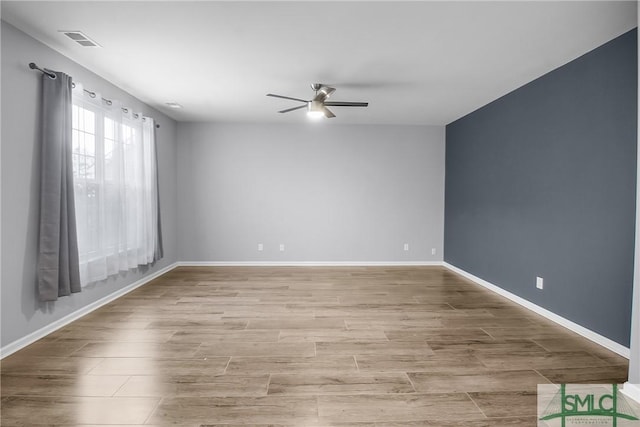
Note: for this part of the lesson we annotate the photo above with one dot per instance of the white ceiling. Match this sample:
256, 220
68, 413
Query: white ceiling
414, 62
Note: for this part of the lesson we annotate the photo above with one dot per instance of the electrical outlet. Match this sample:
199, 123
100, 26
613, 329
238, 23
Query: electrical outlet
281, 247
406, 246
539, 283
260, 246
433, 251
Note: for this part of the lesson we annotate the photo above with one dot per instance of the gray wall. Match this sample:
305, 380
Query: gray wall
327, 192
21, 311
542, 181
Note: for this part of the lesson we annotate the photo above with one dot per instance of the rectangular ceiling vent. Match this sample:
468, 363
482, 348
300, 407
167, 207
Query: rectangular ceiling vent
80, 38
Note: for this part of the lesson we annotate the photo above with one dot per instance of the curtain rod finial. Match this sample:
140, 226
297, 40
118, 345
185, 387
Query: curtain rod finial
49, 73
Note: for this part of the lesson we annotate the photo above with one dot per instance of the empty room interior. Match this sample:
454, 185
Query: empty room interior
304, 213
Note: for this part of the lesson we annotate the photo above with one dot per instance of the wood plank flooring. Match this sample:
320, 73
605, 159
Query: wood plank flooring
227, 346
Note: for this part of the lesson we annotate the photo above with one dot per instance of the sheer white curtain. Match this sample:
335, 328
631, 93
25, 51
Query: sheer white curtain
115, 186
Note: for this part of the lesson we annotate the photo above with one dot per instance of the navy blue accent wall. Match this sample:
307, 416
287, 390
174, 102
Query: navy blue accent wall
541, 182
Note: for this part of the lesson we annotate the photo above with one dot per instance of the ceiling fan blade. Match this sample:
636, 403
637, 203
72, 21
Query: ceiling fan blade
293, 109
346, 104
323, 93
327, 113
286, 97
327, 91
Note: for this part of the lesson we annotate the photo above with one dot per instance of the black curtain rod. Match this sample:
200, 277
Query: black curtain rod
53, 76
49, 73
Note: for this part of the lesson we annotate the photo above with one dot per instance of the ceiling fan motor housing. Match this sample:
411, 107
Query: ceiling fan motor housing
315, 106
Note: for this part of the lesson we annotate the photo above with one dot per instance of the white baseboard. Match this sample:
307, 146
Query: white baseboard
53, 326
631, 390
308, 263
580, 330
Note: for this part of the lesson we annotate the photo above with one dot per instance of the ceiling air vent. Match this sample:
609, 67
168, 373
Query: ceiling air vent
80, 38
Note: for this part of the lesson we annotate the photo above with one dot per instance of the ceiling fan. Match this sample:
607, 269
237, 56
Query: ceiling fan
317, 107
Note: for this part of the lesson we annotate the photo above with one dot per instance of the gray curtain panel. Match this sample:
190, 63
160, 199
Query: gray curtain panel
158, 251
58, 271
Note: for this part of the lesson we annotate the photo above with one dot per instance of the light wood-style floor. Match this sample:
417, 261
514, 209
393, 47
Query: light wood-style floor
410, 346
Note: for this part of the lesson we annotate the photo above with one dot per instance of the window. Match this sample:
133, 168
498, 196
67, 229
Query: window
115, 188
84, 177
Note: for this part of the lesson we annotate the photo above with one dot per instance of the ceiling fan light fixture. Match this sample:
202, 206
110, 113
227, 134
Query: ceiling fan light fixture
315, 110
315, 114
